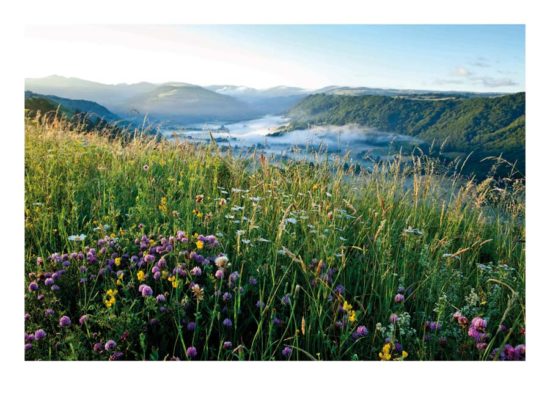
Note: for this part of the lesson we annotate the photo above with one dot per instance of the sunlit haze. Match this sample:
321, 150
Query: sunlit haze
436, 57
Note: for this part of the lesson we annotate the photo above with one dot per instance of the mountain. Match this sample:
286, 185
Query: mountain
362, 91
173, 101
486, 126
185, 103
274, 101
50, 103
111, 96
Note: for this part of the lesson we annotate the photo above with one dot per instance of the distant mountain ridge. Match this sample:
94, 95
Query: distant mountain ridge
190, 103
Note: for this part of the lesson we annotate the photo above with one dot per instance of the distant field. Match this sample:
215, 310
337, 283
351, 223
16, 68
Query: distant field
146, 250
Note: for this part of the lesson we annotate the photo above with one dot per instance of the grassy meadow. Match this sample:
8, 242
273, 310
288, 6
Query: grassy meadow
147, 250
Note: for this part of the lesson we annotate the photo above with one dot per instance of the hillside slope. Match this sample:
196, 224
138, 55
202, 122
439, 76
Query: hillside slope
487, 126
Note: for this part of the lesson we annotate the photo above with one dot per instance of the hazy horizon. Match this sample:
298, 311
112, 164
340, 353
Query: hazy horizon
470, 58
270, 87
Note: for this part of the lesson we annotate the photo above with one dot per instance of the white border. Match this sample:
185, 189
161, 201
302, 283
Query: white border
260, 376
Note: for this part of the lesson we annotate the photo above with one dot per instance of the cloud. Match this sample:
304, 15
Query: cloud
489, 81
462, 72
462, 76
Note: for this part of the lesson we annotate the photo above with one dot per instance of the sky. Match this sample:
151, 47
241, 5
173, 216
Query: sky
480, 58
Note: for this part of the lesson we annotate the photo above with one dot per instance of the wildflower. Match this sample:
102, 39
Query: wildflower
285, 300
191, 326
260, 304
196, 271
140, 275
77, 238
145, 167
391, 351
227, 323
40, 334
226, 297
394, 318
252, 281
83, 319
198, 292
33, 286
340, 289
199, 198
161, 298
200, 244
477, 330
64, 321
399, 298
174, 281
361, 331
233, 277
118, 261
219, 274
49, 281
28, 347
286, 352
227, 345
116, 356
110, 345
432, 326
191, 352
145, 290
49, 312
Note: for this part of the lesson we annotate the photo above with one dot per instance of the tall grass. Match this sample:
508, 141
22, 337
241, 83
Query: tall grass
320, 232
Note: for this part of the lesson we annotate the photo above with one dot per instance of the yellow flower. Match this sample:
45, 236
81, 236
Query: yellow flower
117, 261
163, 205
174, 281
119, 282
386, 352
352, 317
164, 274
404, 354
347, 307
140, 275
111, 292
200, 244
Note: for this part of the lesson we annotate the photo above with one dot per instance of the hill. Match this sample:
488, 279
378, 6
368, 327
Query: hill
482, 125
48, 103
187, 104
176, 251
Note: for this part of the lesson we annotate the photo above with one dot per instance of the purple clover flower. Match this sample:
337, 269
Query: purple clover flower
64, 321
33, 286
399, 298
145, 290
227, 323
110, 345
227, 345
40, 334
191, 352
161, 298
286, 352
83, 319
196, 271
